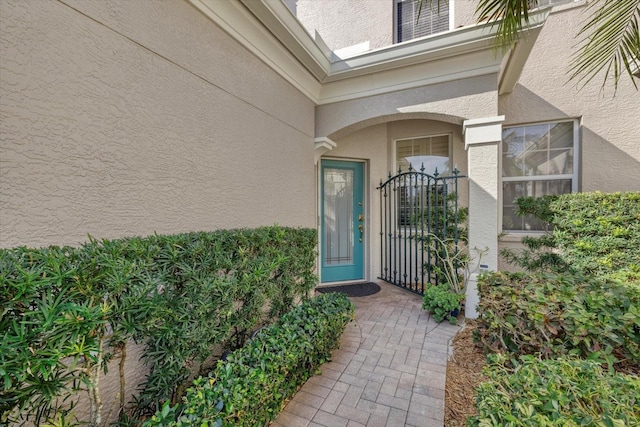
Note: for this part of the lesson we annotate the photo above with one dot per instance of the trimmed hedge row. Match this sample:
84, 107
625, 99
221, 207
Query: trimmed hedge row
250, 387
557, 315
66, 311
561, 392
591, 302
598, 233
593, 233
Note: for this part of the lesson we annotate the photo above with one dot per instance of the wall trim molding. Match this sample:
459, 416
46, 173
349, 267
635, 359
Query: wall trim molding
269, 29
322, 146
486, 130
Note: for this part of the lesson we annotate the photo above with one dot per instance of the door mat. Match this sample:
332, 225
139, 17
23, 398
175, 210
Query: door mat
352, 290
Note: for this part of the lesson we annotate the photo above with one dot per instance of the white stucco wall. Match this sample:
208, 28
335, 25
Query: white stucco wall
344, 23
464, 13
124, 118
127, 118
450, 102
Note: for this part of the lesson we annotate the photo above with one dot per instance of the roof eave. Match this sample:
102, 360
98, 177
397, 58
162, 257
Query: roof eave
514, 61
274, 34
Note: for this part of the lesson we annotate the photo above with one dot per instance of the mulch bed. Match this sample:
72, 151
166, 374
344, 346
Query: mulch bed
464, 373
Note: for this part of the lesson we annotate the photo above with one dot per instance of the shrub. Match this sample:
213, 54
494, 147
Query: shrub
592, 233
441, 302
66, 311
583, 300
555, 315
598, 233
250, 387
562, 392
48, 326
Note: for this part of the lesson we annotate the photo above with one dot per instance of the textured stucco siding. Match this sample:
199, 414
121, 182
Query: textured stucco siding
344, 23
464, 13
127, 118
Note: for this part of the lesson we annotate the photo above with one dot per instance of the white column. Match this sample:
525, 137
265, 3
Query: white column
482, 137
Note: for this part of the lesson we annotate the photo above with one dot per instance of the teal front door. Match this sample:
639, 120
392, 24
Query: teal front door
342, 221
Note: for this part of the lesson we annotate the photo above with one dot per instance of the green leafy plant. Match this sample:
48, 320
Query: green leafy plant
588, 233
554, 315
51, 335
249, 388
66, 312
563, 392
454, 263
443, 232
442, 302
579, 299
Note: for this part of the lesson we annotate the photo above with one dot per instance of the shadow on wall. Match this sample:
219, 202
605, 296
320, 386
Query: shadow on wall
605, 167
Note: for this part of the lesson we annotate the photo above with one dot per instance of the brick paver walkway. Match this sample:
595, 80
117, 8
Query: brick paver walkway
389, 371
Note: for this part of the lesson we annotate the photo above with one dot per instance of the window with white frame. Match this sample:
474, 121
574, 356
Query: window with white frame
430, 154
537, 160
413, 21
429, 151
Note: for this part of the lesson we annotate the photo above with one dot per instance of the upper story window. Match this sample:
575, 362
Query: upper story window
413, 22
537, 160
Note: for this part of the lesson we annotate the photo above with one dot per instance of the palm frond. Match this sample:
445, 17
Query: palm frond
430, 3
610, 41
510, 16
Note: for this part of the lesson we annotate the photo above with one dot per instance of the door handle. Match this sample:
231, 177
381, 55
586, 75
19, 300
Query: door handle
360, 217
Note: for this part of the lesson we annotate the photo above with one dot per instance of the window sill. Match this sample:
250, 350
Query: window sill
569, 6
516, 237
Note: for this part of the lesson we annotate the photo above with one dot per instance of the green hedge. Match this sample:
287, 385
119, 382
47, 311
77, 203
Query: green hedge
555, 315
562, 392
593, 233
598, 233
66, 311
580, 299
590, 302
250, 388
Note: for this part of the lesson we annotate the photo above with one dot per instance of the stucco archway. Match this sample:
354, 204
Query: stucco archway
450, 102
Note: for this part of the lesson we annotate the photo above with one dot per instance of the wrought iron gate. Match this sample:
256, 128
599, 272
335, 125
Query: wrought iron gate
415, 207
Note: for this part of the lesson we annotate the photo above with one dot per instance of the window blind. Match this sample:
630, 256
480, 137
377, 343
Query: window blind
413, 22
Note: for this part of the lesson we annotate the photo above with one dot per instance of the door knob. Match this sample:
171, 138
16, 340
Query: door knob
360, 217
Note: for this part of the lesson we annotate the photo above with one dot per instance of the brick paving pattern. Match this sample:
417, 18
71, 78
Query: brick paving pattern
389, 371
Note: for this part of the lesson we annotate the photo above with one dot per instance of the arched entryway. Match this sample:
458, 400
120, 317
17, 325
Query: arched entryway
379, 146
